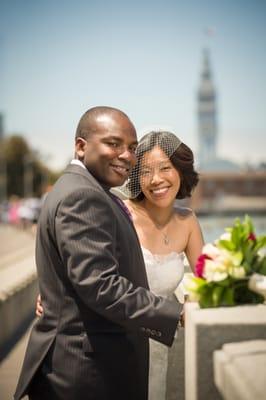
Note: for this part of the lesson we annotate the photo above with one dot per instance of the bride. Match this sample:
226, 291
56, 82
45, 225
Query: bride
163, 173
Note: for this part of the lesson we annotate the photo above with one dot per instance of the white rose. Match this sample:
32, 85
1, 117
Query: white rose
237, 272
262, 252
215, 271
226, 236
211, 251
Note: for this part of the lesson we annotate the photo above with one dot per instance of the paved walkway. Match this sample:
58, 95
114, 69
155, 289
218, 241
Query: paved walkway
16, 261
10, 369
15, 245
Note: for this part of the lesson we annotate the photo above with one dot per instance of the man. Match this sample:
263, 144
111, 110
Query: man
92, 340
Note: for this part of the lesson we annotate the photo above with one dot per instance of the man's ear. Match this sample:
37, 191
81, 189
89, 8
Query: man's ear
80, 146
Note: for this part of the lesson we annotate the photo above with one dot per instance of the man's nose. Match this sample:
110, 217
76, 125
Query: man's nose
128, 155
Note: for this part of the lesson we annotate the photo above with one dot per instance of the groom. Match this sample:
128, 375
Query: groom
92, 341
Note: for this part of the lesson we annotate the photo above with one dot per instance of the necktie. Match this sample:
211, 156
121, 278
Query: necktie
122, 205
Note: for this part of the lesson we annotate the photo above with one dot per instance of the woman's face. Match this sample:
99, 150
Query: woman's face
159, 180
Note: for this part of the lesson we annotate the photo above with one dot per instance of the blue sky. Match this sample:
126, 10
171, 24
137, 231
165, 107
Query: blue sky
59, 58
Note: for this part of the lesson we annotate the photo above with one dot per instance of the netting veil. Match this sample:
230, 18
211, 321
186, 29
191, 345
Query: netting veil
168, 142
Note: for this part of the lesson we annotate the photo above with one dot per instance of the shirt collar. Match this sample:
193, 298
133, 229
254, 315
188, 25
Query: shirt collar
78, 162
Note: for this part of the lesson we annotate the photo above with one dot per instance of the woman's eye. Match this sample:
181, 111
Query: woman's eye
145, 172
166, 168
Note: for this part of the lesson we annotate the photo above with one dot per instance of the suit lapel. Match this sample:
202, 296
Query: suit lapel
77, 169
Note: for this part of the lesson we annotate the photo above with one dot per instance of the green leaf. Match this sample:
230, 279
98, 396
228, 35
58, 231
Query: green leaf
262, 266
217, 295
228, 297
260, 242
205, 294
236, 236
225, 282
226, 244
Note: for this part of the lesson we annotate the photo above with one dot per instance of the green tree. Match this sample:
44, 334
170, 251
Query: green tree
26, 174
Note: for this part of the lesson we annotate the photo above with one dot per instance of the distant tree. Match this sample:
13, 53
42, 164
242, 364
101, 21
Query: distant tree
26, 173
262, 166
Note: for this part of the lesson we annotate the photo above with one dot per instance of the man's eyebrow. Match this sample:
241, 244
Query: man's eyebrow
119, 139
113, 137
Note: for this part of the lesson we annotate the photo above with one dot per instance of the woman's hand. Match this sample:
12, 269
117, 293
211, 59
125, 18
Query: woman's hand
39, 307
181, 322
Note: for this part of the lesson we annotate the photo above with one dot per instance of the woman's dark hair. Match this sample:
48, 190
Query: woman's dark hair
179, 154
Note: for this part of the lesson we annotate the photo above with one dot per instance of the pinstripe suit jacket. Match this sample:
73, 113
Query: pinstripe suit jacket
92, 340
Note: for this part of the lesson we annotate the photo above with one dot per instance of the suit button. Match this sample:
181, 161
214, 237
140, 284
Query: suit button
148, 330
153, 332
159, 334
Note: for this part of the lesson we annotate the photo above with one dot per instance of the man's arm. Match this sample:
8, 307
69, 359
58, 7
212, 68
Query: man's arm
85, 231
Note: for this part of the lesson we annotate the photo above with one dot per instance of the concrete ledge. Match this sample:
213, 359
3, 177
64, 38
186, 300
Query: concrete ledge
18, 292
239, 370
208, 330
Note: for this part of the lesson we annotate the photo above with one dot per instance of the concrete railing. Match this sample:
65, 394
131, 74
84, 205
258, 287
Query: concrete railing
18, 292
208, 330
239, 370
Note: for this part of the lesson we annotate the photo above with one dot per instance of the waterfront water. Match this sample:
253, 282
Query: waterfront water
213, 226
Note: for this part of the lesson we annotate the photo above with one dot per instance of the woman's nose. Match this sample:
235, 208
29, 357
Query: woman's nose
156, 177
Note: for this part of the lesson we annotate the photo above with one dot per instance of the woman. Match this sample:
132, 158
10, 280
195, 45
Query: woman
164, 172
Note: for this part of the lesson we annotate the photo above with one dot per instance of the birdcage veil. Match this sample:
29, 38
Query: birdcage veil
168, 142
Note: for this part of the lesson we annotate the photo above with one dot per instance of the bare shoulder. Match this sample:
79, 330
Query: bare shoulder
186, 215
183, 212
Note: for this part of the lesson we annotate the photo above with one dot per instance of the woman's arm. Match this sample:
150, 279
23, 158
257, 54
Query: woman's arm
195, 242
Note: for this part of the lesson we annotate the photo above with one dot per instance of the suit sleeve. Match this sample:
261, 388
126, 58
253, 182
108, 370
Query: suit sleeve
86, 234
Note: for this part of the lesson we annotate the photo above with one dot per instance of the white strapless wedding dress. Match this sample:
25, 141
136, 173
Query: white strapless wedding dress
165, 272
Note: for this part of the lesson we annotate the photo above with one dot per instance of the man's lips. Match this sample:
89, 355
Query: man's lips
120, 169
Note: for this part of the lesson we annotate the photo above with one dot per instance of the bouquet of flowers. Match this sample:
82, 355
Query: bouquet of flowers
224, 269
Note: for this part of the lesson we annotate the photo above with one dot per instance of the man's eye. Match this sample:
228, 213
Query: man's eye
113, 144
133, 149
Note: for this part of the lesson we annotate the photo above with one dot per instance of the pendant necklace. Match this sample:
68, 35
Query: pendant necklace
166, 238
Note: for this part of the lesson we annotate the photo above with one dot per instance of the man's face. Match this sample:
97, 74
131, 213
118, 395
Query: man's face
109, 151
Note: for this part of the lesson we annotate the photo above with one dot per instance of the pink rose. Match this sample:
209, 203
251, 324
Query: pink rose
200, 265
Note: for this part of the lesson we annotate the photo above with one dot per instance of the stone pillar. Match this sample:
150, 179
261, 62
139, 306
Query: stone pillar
239, 370
206, 331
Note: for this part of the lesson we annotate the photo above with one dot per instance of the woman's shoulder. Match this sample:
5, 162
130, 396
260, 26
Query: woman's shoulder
183, 212
186, 215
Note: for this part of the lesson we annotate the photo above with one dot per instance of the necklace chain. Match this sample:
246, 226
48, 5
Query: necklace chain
159, 227
166, 238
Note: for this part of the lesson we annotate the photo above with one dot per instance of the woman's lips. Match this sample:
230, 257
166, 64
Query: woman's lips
160, 192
